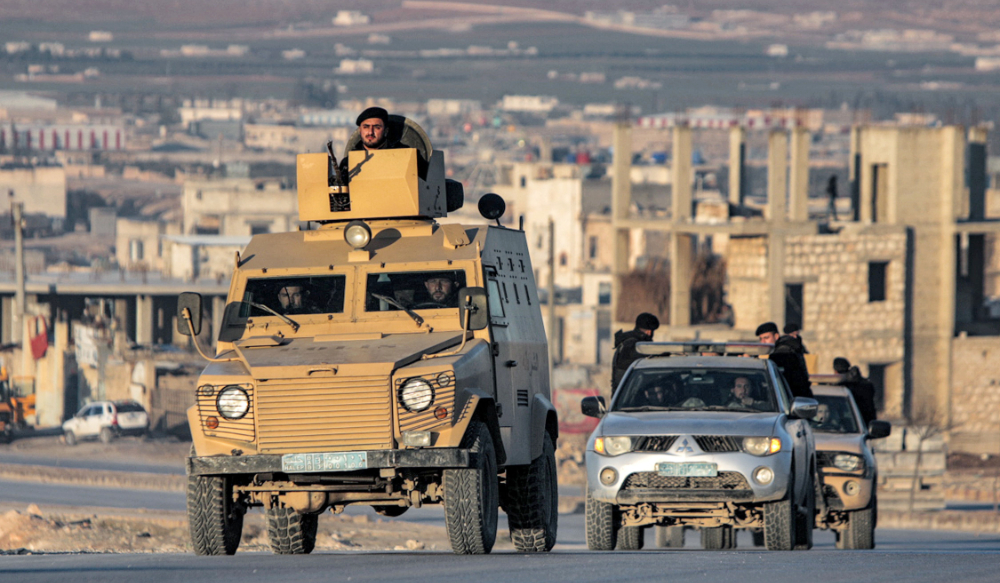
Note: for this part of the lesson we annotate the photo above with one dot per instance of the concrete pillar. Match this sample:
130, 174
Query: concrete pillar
621, 200
8, 319
776, 277
681, 252
122, 314
798, 188
737, 158
854, 173
681, 174
777, 175
218, 310
144, 320
977, 174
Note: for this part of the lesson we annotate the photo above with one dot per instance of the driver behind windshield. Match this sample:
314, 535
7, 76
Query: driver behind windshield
741, 394
441, 290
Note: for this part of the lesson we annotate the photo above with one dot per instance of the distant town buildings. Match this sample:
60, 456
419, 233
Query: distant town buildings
351, 18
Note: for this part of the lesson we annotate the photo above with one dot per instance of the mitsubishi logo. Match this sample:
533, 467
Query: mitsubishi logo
684, 447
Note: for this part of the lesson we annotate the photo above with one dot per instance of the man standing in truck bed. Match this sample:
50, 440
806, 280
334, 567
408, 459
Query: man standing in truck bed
625, 353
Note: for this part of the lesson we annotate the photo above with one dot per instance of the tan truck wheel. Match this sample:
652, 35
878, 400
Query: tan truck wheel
631, 538
215, 521
472, 497
291, 533
533, 502
601, 526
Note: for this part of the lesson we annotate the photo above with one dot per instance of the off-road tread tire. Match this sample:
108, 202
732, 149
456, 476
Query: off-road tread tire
669, 537
601, 525
106, 435
805, 521
533, 502
631, 538
779, 525
215, 522
70, 438
718, 538
472, 497
291, 533
859, 534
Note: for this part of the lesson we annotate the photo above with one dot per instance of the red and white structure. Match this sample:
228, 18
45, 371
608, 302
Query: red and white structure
78, 137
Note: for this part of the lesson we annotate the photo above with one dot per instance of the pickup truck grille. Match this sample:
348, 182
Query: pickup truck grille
717, 443
724, 481
324, 414
654, 443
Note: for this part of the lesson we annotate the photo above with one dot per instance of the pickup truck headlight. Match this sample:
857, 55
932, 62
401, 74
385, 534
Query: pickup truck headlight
233, 402
613, 445
848, 462
761, 446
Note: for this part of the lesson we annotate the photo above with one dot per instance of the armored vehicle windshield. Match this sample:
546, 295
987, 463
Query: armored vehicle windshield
294, 295
418, 290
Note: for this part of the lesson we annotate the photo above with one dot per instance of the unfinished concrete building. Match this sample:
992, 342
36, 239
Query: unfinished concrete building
902, 285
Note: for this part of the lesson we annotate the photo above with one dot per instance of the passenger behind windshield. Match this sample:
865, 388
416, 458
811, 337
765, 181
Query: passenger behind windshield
834, 415
706, 390
294, 295
414, 290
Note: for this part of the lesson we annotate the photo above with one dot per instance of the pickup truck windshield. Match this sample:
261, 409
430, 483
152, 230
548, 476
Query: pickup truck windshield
413, 290
834, 415
294, 295
697, 390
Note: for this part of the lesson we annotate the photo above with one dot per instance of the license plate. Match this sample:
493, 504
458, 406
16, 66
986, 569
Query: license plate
688, 469
324, 462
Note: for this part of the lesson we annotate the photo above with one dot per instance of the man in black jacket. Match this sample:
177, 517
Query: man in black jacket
625, 353
862, 388
787, 354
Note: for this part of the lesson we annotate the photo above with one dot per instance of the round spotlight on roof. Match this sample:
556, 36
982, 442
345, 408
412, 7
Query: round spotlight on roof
492, 206
357, 234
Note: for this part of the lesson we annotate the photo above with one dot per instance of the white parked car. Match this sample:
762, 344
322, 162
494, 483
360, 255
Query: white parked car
106, 420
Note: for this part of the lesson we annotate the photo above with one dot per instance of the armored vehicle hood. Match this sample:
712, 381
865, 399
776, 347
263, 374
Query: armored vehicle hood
275, 358
689, 423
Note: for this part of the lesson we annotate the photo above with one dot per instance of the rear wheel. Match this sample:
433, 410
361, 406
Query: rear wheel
602, 524
631, 538
70, 438
718, 538
532, 502
671, 537
779, 525
291, 533
860, 530
106, 435
471, 496
214, 519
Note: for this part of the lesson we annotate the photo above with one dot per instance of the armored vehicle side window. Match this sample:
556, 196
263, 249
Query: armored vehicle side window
294, 295
495, 300
413, 290
697, 389
834, 415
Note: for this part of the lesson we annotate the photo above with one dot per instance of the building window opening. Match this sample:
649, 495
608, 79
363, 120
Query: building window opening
877, 280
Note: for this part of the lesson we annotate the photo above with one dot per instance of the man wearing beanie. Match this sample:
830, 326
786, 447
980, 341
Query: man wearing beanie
793, 331
625, 353
861, 388
786, 354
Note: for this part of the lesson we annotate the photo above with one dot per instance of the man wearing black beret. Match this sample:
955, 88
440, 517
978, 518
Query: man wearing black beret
372, 124
625, 353
786, 354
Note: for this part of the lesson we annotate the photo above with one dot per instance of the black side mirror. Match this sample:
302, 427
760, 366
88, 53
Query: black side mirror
190, 302
878, 429
804, 408
593, 407
472, 301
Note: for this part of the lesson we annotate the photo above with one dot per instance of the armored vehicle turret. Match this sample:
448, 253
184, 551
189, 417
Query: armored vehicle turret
380, 359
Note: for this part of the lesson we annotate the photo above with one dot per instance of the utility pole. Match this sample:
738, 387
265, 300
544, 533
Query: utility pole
553, 335
17, 210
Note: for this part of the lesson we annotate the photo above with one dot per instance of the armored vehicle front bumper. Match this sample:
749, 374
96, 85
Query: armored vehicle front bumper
443, 458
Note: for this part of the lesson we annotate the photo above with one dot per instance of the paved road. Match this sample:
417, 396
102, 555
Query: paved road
908, 556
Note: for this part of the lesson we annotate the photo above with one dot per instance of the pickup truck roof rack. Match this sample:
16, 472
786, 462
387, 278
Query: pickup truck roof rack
704, 348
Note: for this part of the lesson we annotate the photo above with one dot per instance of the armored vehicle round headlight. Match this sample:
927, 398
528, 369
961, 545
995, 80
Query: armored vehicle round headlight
233, 402
416, 395
357, 234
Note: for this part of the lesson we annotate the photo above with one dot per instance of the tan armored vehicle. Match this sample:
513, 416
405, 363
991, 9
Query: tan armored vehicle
381, 359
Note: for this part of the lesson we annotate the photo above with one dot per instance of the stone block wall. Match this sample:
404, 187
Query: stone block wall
748, 291
975, 394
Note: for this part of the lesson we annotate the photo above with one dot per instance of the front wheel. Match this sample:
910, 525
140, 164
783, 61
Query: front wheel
602, 524
779, 525
106, 435
631, 538
859, 534
291, 533
805, 520
472, 498
532, 502
215, 521
70, 438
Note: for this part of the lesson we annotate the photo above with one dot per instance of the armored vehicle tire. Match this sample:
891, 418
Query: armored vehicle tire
779, 525
805, 519
859, 533
472, 498
670, 537
291, 533
532, 502
70, 438
216, 523
718, 538
631, 538
106, 435
601, 525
